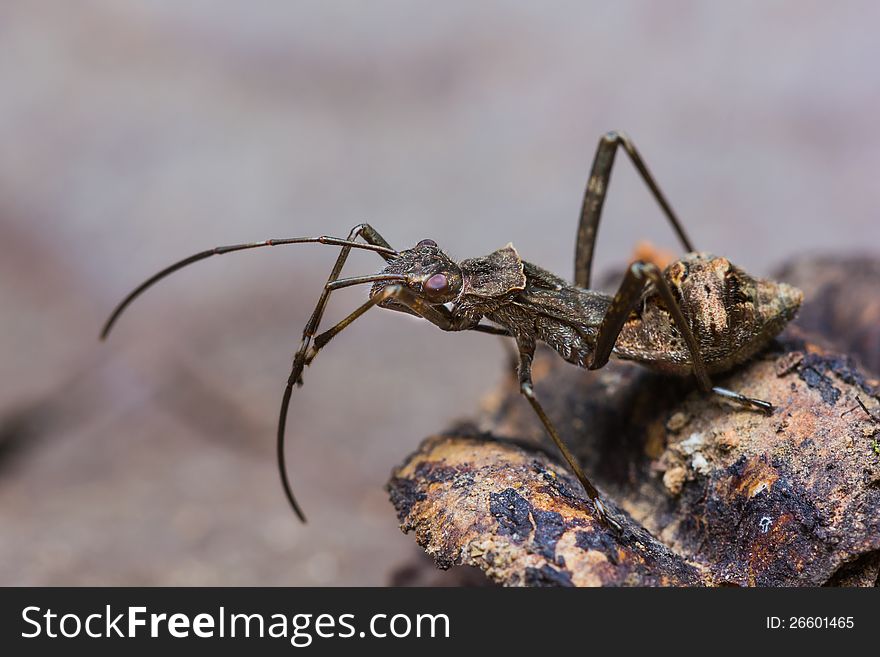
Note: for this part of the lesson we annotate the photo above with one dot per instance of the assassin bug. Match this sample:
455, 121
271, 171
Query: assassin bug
702, 315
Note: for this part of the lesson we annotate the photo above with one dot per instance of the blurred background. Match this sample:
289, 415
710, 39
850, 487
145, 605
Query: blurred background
135, 133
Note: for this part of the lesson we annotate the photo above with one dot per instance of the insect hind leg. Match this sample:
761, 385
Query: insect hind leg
638, 275
738, 398
594, 199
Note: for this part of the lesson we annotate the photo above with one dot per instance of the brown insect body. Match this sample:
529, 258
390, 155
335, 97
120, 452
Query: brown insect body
732, 314
701, 315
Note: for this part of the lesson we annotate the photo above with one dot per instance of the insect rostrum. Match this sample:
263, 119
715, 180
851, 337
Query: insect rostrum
702, 315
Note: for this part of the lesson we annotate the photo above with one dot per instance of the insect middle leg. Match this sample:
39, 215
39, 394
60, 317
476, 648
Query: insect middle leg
526, 354
437, 315
594, 198
628, 296
441, 317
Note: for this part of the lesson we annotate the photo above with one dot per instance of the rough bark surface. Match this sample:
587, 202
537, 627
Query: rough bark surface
708, 493
843, 302
522, 519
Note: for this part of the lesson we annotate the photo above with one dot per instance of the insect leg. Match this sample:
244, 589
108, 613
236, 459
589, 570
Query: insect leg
653, 272
373, 238
594, 198
492, 330
627, 298
299, 362
437, 315
526, 353
441, 317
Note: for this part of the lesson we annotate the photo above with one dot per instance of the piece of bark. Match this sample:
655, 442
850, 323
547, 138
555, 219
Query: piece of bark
842, 302
520, 517
733, 497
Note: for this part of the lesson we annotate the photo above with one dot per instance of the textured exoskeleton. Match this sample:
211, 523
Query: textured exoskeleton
702, 315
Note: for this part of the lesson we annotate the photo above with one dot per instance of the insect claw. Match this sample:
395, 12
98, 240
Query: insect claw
767, 407
759, 404
604, 517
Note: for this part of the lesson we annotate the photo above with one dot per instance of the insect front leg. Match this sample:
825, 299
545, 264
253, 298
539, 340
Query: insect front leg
369, 235
437, 315
399, 294
526, 354
594, 198
638, 276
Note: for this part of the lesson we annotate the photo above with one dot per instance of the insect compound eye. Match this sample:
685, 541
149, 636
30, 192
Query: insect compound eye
430, 243
436, 285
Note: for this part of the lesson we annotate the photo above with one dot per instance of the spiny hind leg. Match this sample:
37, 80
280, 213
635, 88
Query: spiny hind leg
629, 295
594, 199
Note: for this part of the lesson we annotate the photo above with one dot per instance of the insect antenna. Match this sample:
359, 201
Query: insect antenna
357, 280
220, 250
